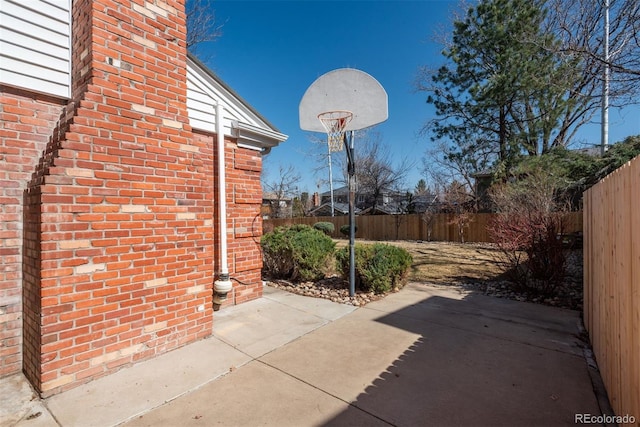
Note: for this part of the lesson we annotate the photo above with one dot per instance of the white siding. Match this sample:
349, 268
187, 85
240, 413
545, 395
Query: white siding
35, 45
203, 94
201, 102
205, 91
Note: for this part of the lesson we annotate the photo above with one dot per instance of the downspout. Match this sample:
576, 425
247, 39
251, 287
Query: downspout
222, 286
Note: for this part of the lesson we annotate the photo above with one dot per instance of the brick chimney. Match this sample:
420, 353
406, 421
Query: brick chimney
118, 217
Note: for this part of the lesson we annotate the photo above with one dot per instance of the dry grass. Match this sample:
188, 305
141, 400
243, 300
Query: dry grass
479, 266
447, 262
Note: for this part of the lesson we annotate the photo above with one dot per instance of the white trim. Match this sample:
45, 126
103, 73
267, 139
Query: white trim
70, 64
249, 147
254, 136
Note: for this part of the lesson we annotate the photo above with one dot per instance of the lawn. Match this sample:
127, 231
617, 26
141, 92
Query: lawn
480, 266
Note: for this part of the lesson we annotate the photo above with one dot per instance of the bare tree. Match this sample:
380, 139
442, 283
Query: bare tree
375, 171
431, 209
459, 202
202, 26
282, 190
579, 25
429, 217
443, 165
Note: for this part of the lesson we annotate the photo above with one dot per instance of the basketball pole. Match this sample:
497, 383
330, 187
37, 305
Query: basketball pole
351, 171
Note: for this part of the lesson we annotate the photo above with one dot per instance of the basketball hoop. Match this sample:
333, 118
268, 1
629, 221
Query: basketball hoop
335, 123
344, 99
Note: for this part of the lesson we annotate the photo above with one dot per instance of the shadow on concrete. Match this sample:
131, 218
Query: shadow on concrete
481, 361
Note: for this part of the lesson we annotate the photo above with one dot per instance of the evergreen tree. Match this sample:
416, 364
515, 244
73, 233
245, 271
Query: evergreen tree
503, 93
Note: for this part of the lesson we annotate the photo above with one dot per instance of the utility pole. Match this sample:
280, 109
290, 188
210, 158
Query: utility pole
605, 83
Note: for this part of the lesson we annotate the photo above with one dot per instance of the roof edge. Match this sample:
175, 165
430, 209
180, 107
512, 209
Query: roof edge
198, 63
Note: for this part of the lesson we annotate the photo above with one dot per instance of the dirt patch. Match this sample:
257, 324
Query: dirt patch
446, 262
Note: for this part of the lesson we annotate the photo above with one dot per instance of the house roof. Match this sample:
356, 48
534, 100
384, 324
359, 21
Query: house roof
228, 88
340, 190
205, 90
340, 208
388, 209
484, 173
270, 196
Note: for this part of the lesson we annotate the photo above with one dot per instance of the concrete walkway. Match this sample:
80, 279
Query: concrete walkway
423, 356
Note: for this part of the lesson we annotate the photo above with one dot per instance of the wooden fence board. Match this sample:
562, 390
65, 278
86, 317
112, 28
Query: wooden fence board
612, 282
413, 227
634, 308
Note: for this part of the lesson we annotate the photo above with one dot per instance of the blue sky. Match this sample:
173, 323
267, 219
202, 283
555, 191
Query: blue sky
271, 51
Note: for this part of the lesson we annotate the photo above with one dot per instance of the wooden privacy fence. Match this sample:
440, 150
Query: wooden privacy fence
612, 284
412, 227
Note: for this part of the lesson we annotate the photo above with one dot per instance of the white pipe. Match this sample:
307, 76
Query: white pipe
222, 190
222, 286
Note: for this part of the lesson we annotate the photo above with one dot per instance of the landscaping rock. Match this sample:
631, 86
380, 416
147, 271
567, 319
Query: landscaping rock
568, 295
333, 288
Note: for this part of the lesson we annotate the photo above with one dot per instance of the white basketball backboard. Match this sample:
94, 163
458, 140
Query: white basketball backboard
344, 89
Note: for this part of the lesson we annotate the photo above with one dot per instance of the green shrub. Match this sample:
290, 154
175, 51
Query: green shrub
277, 254
298, 252
326, 227
379, 267
345, 229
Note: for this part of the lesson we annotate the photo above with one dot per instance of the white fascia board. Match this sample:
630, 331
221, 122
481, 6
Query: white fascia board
256, 137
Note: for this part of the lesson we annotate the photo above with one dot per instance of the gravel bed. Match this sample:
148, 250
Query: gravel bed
335, 289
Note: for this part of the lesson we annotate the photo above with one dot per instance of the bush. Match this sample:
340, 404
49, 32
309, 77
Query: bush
526, 229
379, 267
326, 227
345, 229
298, 252
534, 253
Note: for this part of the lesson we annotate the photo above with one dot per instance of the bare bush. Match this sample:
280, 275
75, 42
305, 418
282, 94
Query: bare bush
527, 229
459, 202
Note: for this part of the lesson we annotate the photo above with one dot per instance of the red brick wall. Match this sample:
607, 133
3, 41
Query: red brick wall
109, 213
244, 222
245, 256
125, 231
26, 122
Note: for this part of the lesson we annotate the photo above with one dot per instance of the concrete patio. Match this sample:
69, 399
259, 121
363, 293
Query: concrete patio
423, 356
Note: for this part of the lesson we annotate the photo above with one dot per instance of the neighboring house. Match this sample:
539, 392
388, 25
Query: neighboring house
112, 206
363, 200
426, 201
276, 207
340, 195
483, 180
388, 203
